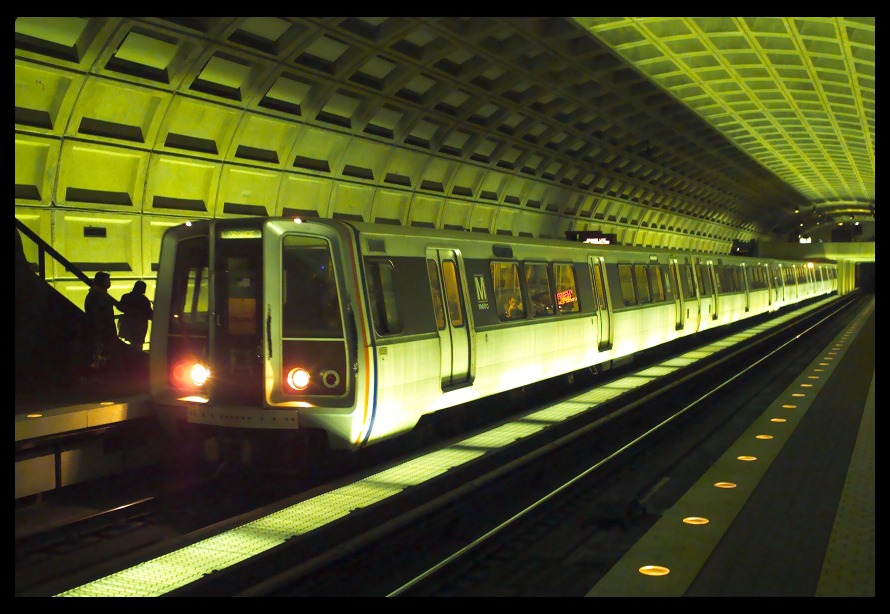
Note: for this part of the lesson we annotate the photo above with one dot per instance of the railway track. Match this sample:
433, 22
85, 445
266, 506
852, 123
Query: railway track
427, 543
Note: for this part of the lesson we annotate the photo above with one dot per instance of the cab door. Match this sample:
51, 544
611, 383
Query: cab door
307, 327
447, 286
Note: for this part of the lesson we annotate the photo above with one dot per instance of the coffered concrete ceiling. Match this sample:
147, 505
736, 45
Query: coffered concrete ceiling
668, 131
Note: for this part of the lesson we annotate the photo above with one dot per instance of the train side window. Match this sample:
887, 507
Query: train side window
432, 271
189, 306
704, 279
626, 279
641, 274
566, 292
507, 290
656, 278
668, 279
724, 284
382, 296
452, 293
537, 282
689, 281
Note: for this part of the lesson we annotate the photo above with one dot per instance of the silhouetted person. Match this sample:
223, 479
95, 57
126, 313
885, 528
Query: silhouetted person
101, 332
137, 310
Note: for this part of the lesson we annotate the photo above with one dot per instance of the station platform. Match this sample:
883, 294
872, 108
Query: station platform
789, 509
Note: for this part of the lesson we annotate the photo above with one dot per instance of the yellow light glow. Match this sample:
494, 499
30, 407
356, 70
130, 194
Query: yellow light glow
199, 374
798, 394
654, 570
34, 416
298, 379
724, 485
763, 437
789, 406
746, 458
696, 520
777, 420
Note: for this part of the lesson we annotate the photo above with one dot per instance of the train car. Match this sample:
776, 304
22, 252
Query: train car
354, 331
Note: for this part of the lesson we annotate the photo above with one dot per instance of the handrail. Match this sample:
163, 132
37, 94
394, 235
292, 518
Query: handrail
44, 248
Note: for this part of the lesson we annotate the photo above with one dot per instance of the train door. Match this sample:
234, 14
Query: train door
680, 316
447, 281
603, 302
691, 294
743, 272
236, 330
704, 272
768, 278
778, 283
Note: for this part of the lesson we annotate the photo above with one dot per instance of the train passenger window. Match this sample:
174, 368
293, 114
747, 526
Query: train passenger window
704, 279
690, 283
641, 274
724, 283
452, 293
507, 290
626, 279
382, 296
432, 271
667, 276
566, 292
537, 282
656, 279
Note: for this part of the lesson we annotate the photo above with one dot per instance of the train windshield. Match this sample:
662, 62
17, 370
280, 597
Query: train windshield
310, 307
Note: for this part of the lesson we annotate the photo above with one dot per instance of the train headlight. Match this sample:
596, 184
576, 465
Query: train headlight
189, 374
199, 374
298, 378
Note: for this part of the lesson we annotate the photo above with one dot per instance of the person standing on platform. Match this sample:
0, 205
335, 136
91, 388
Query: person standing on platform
137, 310
100, 328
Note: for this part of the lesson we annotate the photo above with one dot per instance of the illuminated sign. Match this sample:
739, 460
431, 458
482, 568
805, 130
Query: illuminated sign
564, 297
593, 237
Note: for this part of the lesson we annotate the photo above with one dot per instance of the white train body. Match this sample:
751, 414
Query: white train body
358, 330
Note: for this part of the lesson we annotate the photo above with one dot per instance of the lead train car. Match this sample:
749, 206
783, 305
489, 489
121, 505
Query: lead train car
356, 330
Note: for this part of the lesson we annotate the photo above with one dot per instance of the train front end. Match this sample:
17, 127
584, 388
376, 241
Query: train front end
255, 333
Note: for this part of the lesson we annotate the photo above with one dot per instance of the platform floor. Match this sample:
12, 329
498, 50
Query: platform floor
795, 516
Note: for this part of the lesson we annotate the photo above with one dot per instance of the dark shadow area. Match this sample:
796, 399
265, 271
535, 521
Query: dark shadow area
51, 351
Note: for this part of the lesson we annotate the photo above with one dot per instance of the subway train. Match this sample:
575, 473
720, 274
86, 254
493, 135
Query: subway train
350, 332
